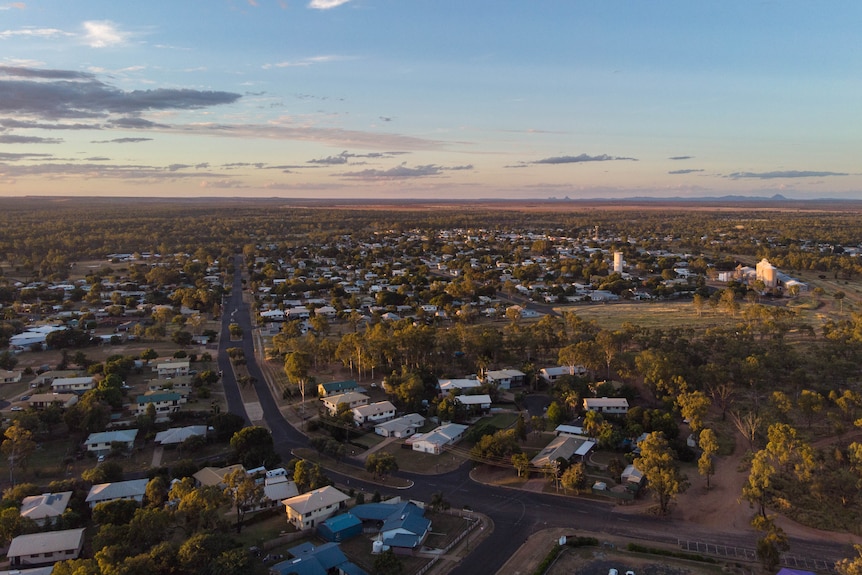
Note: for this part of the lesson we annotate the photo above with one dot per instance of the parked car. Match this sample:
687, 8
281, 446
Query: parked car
17, 408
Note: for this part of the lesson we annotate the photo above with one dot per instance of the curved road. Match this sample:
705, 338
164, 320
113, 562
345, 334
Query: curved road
516, 514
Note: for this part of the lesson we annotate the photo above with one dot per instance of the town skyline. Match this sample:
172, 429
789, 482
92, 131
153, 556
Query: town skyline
373, 99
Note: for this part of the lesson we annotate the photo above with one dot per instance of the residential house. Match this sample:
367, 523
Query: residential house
177, 435
402, 427
209, 476
45, 509
632, 474
475, 403
308, 559
336, 387
401, 525
506, 378
307, 510
173, 368
611, 405
552, 374
133, 490
49, 376
103, 441
457, 385
165, 402
340, 527
436, 440
13, 376
351, 399
563, 446
42, 401
373, 412
277, 487
45, 548
73, 384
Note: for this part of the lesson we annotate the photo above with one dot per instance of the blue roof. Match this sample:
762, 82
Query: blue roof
351, 569
329, 554
299, 567
341, 522
412, 521
403, 540
339, 385
379, 511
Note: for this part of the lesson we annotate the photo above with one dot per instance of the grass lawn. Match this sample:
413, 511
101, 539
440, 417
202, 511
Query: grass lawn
663, 315
418, 462
500, 420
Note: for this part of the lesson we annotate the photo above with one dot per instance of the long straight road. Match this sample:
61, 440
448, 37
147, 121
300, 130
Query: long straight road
516, 514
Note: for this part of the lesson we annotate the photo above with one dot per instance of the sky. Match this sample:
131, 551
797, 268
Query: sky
431, 99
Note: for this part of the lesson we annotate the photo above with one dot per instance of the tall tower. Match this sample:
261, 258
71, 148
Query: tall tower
618, 262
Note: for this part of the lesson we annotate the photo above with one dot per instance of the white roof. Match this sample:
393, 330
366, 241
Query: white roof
569, 429
504, 374
403, 422
48, 542
118, 490
176, 435
606, 401
441, 435
374, 408
449, 384
348, 397
123, 435
46, 505
314, 500
72, 381
481, 399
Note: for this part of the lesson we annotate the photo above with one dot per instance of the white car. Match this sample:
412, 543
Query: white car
17, 408
613, 572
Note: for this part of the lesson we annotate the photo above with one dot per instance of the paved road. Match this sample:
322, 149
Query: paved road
515, 513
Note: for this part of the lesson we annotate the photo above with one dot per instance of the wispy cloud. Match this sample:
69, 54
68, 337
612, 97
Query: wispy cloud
679, 172
326, 4
311, 60
16, 139
681, 158
783, 174
345, 156
16, 5
582, 158
221, 184
122, 141
13, 123
29, 32
71, 94
103, 33
402, 172
17, 156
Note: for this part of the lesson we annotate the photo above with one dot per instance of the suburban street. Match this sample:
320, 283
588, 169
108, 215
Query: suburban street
516, 514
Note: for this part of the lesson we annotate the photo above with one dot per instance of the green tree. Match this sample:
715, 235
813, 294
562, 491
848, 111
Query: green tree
245, 492
8, 360
556, 414
118, 512
756, 488
574, 477
771, 544
694, 405
12, 524
381, 464
708, 444
387, 563
522, 464
660, 469
253, 447
17, 446
851, 565
296, 366
308, 476
810, 403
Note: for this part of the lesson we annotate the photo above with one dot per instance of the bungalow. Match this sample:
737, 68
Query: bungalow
272, 315
611, 405
326, 311
351, 399
336, 387
277, 487
378, 411
174, 368
166, 402
7, 376
475, 403
402, 427
566, 446
102, 442
73, 384
552, 374
209, 476
132, 490
306, 559
506, 378
304, 511
340, 528
401, 526
437, 439
177, 435
45, 548
49, 376
457, 385
45, 509
42, 401
632, 474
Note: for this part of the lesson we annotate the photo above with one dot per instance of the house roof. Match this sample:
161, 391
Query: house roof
311, 560
504, 374
606, 402
177, 435
123, 435
214, 475
118, 490
314, 500
348, 397
561, 446
377, 511
72, 381
334, 386
481, 399
341, 522
402, 423
46, 505
374, 408
156, 397
50, 541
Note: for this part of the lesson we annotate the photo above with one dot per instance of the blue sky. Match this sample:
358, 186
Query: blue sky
430, 98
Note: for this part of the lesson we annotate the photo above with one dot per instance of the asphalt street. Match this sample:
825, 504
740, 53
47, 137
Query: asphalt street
516, 514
